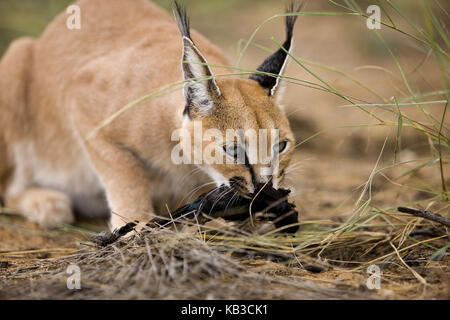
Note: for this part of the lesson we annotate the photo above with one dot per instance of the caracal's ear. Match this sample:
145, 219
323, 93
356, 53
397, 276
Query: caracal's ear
200, 89
276, 63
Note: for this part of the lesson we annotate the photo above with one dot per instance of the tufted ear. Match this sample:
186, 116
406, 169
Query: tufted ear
276, 63
200, 89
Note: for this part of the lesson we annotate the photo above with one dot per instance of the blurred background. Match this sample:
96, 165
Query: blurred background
340, 143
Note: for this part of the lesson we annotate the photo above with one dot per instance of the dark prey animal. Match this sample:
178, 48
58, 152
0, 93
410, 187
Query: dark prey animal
272, 204
269, 203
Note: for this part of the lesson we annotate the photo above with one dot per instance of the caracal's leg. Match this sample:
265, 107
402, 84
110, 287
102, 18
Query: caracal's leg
126, 180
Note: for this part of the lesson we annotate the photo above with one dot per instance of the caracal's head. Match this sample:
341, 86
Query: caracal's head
235, 129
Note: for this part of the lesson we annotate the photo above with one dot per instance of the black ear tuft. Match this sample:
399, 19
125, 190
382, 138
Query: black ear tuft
290, 20
200, 88
276, 62
182, 19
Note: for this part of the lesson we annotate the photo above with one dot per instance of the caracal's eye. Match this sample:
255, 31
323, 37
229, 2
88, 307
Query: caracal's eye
231, 150
280, 147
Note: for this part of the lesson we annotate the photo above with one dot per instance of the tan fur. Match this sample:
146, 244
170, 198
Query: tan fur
56, 89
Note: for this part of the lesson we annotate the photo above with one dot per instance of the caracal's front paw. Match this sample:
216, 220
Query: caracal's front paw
47, 207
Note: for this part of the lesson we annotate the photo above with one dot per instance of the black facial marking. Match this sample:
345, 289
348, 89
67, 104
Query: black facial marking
237, 181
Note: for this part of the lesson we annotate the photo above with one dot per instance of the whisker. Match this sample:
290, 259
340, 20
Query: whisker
191, 193
189, 174
223, 194
234, 197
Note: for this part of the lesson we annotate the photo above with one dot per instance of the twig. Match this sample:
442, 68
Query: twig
414, 272
105, 238
426, 214
431, 232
